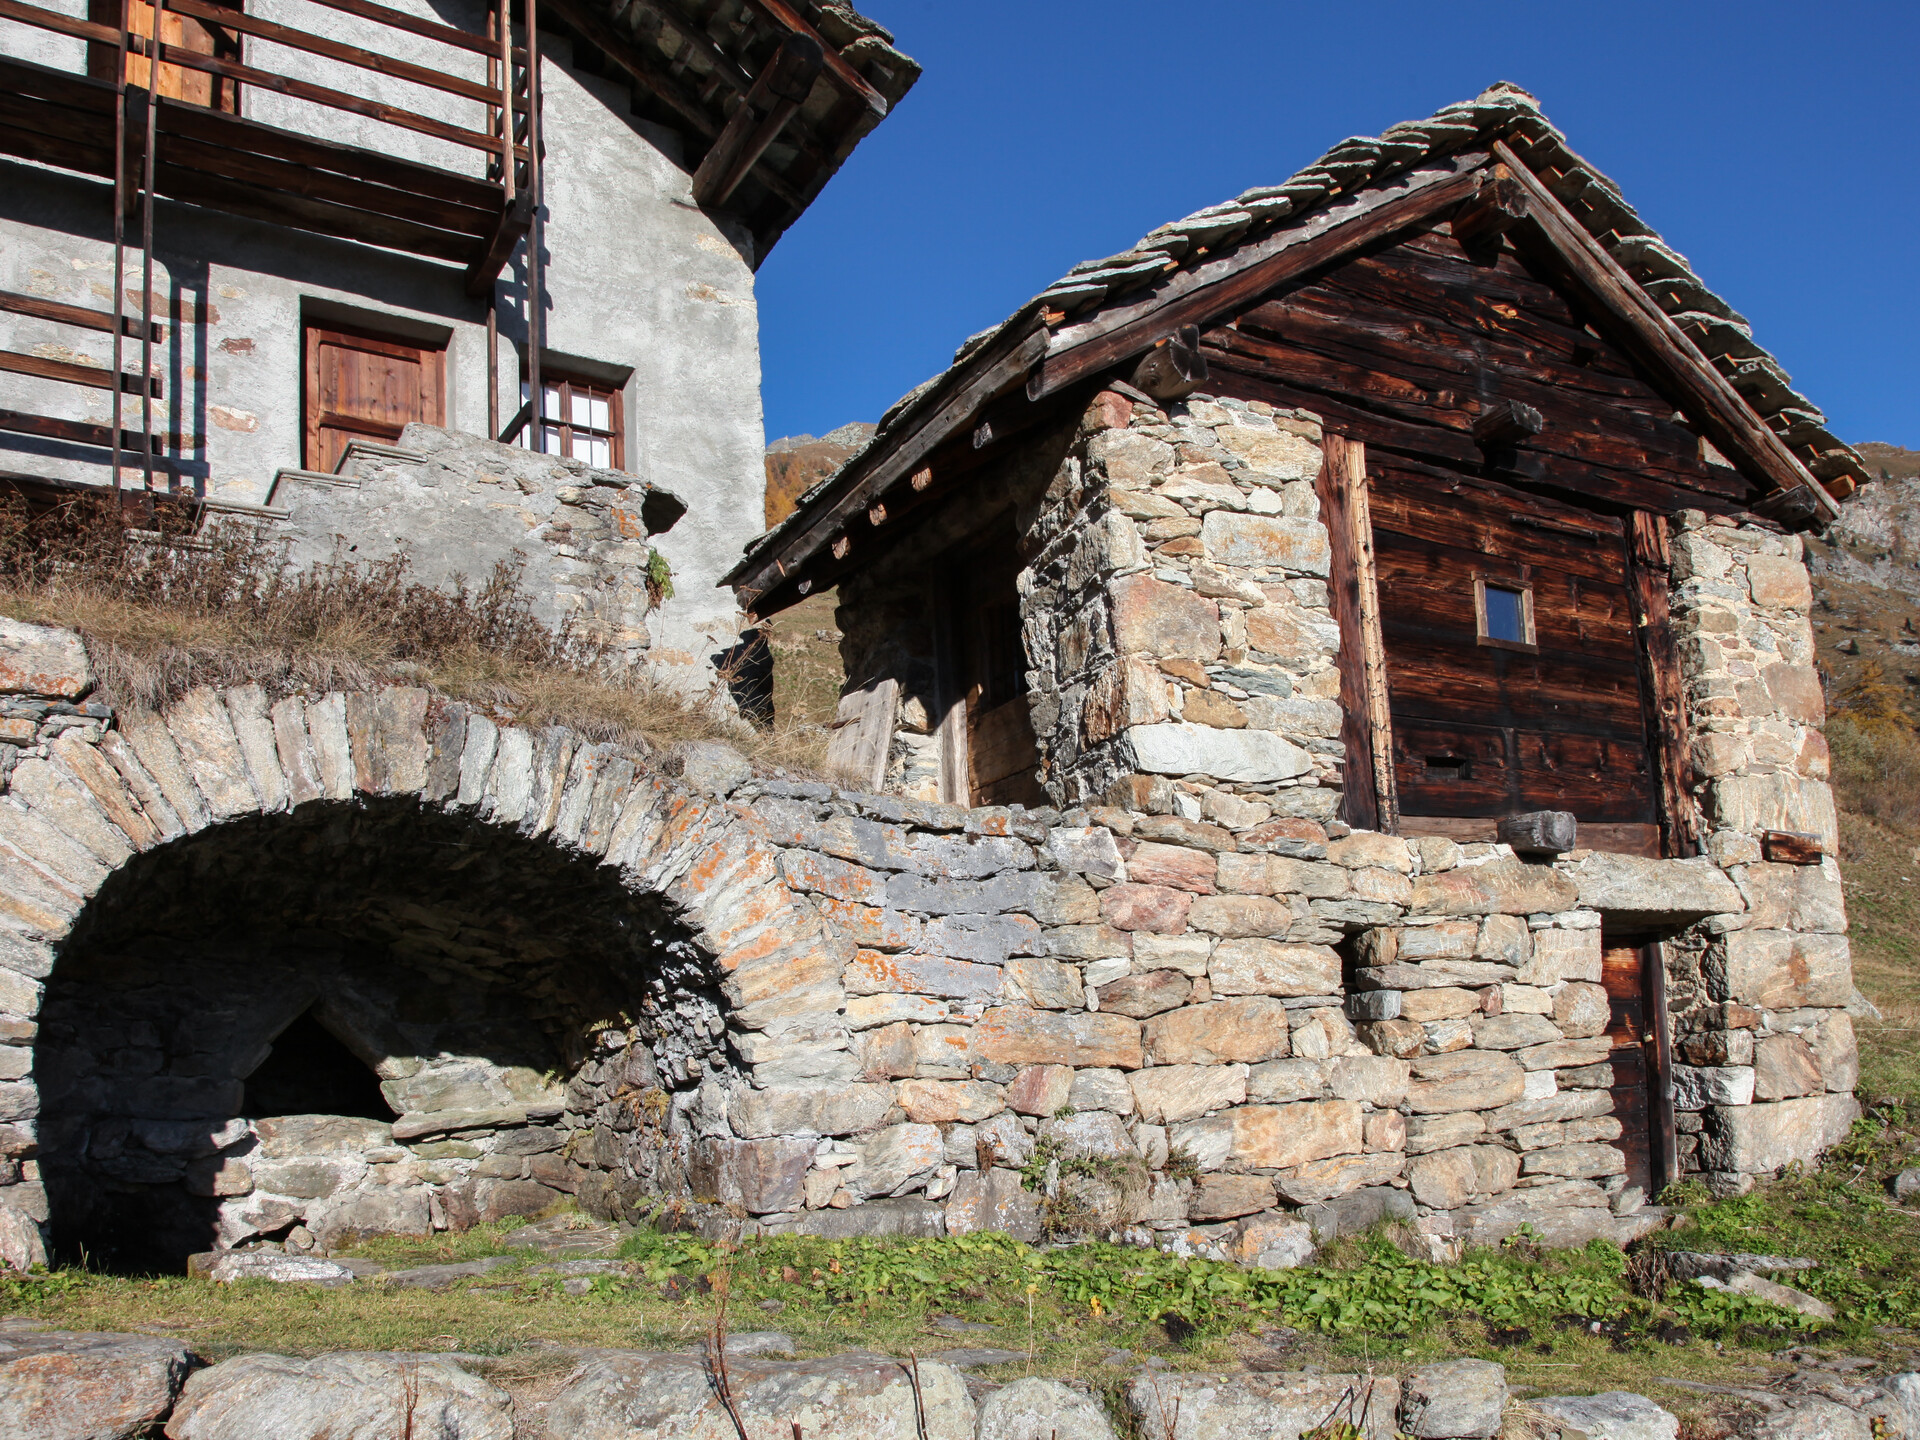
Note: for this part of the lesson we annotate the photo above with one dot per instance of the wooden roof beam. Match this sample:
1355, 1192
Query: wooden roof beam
1707, 398
780, 91
844, 75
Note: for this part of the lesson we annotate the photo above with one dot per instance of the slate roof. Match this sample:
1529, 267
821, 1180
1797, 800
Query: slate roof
1503, 112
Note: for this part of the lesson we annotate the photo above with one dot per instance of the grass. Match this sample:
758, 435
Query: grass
165, 611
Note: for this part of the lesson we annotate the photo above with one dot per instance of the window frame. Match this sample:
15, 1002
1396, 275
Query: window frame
1522, 588
565, 382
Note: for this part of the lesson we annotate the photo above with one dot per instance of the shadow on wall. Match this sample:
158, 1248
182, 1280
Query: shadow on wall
303, 1027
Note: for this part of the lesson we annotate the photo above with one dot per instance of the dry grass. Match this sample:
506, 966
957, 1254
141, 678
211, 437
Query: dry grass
164, 611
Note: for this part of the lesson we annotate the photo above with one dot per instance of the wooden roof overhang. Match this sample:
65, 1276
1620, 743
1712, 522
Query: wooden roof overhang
1506, 183
769, 97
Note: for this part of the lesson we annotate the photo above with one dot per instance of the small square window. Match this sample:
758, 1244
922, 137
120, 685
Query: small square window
583, 421
1505, 613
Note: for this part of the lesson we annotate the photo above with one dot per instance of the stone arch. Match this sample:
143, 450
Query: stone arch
606, 947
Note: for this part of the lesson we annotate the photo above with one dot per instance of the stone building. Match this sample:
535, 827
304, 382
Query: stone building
1200, 878
338, 252
1401, 564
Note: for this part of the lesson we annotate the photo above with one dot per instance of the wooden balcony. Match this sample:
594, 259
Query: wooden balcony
207, 154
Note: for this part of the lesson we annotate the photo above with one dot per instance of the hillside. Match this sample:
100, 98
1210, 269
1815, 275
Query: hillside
796, 463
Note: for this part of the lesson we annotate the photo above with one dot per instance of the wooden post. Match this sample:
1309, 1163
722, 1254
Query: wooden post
950, 694
1659, 1035
536, 234
156, 14
120, 246
1665, 704
1372, 797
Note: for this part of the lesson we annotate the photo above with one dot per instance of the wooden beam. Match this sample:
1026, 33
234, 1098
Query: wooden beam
64, 314
80, 432
1507, 422
1174, 368
724, 65
1665, 701
491, 258
619, 49
1371, 800
1640, 325
1499, 205
1002, 369
65, 371
757, 121
413, 25
844, 74
1194, 296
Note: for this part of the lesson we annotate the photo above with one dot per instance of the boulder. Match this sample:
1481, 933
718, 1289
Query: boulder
1454, 1399
349, 1396
1030, 1409
1751, 1139
632, 1395
40, 660
1611, 1415
1249, 1029
1808, 1417
993, 1199
1170, 1093
1465, 1080
909, 1218
280, 1268
60, 1386
1271, 1407
1498, 887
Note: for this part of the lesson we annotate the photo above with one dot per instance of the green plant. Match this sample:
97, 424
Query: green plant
659, 578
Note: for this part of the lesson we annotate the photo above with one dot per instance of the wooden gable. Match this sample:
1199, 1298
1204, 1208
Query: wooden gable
1403, 348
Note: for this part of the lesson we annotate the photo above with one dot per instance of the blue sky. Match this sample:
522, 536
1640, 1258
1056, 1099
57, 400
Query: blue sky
1776, 146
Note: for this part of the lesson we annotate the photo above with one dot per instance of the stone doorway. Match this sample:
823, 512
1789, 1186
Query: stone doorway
309, 1071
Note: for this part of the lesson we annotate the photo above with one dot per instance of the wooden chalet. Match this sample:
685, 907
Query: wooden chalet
1519, 385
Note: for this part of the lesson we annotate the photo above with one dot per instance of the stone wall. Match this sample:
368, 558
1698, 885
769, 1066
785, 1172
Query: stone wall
1200, 1019
459, 505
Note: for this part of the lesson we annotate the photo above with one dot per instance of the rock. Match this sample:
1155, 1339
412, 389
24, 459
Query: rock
976, 1358
339, 1397
1034, 1409
794, 1110
40, 660
710, 766
1692, 1264
1101, 1090
891, 1161
1273, 1242
1781, 970
1247, 1029
60, 1386
1443, 1179
1227, 1197
1498, 887
631, 1395
1744, 1282
1611, 1415
1145, 994
1323, 1180
1514, 1032
1269, 1407
441, 1277
1464, 1080
1040, 1089
1906, 1185
1248, 757
1378, 1079
1086, 850
1904, 1389
908, 1217
1581, 1010
1183, 868
1286, 542
760, 1176
1638, 890
1153, 617
1097, 1134
284, 1137
22, 1246
1167, 1094
1015, 1035
1276, 1137
940, 1102
1356, 1213
1253, 966
993, 1199
281, 1269
1784, 1068
1810, 1418
1696, 1087
1154, 909
1752, 1139
1457, 1398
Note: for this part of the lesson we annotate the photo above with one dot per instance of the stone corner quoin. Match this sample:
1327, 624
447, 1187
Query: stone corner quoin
874, 1014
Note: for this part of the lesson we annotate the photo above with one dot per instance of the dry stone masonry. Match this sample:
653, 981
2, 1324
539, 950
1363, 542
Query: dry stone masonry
1189, 1007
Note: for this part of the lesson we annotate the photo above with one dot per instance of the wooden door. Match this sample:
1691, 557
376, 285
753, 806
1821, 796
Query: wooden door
1002, 758
1512, 661
1630, 969
362, 386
